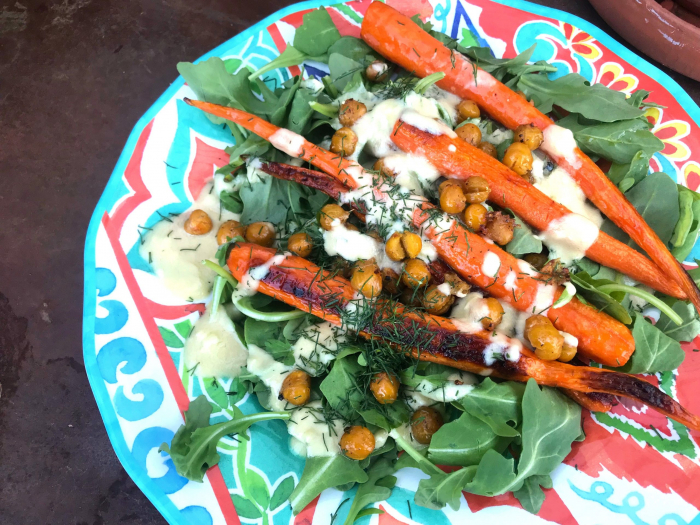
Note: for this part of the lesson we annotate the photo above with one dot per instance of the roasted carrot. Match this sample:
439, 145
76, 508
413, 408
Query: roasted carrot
593, 401
458, 159
600, 337
304, 285
402, 41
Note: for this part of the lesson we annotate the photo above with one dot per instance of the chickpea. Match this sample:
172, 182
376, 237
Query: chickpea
344, 142
522, 94
394, 248
382, 168
469, 133
198, 223
435, 302
468, 109
518, 157
385, 388
459, 287
367, 280
262, 233
488, 148
452, 199
412, 244
415, 273
499, 227
568, 352
329, 213
391, 281
376, 71
351, 227
296, 388
350, 112
228, 231
536, 260
530, 135
476, 190
495, 315
300, 244
449, 182
357, 442
475, 216
546, 340
424, 423
410, 297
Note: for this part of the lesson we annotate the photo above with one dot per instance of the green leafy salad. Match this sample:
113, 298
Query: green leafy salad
360, 409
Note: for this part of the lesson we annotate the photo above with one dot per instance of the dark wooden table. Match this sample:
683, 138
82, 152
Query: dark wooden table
75, 76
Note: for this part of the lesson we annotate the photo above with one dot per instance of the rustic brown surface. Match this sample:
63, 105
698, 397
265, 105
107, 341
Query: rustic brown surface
75, 76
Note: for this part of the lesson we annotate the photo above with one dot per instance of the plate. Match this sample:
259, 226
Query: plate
635, 466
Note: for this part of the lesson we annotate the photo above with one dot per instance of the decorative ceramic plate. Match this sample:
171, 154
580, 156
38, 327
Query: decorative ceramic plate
635, 466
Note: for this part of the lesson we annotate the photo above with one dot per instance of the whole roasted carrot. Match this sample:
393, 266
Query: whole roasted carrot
600, 337
460, 160
402, 41
302, 284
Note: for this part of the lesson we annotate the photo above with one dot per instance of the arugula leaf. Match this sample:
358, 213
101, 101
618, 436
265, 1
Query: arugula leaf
340, 386
524, 241
193, 448
444, 489
317, 33
587, 287
530, 495
688, 330
342, 70
507, 70
289, 57
689, 231
231, 201
574, 93
351, 47
616, 141
321, 473
628, 174
377, 488
496, 404
654, 351
464, 442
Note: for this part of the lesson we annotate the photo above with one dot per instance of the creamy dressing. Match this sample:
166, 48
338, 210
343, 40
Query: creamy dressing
287, 141
560, 143
317, 347
213, 348
352, 245
176, 256
456, 386
491, 264
445, 289
427, 124
313, 435
250, 281
272, 373
544, 298
526, 268
468, 312
569, 237
413, 172
562, 188
569, 339
510, 282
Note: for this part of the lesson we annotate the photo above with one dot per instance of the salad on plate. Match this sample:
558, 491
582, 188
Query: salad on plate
428, 258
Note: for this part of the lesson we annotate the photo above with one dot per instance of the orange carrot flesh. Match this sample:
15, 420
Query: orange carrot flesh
459, 159
594, 401
302, 284
402, 41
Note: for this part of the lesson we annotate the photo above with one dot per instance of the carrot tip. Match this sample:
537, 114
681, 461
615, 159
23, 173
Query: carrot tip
188, 101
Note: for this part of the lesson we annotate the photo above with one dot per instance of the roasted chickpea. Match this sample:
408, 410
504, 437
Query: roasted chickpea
452, 199
385, 388
350, 112
300, 244
367, 280
469, 133
415, 273
391, 281
494, 316
329, 213
518, 157
530, 135
545, 339
476, 190
475, 216
382, 168
198, 223
296, 388
412, 244
458, 286
536, 260
410, 297
488, 148
568, 352
357, 442
394, 248
499, 227
522, 94
376, 71
468, 109
262, 233
424, 423
344, 142
436, 302
449, 182
228, 231
351, 227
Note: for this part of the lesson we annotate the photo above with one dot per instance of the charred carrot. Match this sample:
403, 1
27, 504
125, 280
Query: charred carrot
593, 401
304, 285
600, 337
402, 41
460, 160
313, 179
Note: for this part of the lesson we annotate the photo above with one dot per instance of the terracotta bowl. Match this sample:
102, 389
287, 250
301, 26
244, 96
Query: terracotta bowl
666, 32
